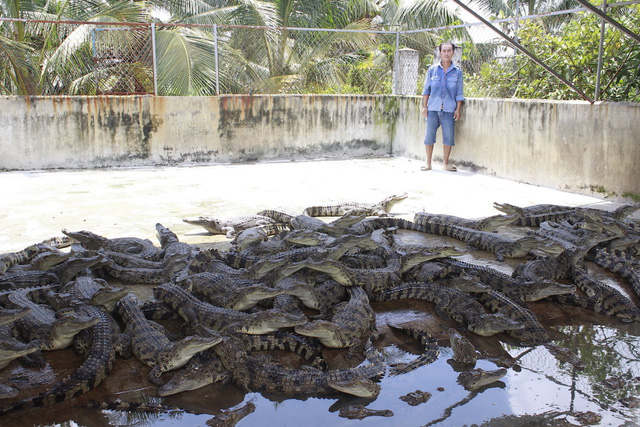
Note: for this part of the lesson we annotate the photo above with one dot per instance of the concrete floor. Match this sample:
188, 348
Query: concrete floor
129, 202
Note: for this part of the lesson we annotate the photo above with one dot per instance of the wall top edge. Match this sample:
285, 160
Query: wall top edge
346, 96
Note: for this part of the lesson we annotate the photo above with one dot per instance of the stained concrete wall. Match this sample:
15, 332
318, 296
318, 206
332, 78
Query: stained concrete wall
85, 132
567, 145
574, 146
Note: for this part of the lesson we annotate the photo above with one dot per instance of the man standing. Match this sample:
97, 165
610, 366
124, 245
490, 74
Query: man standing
442, 99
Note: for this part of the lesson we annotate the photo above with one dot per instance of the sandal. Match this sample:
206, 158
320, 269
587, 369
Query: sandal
450, 168
426, 168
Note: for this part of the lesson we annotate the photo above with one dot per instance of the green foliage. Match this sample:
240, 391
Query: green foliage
571, 51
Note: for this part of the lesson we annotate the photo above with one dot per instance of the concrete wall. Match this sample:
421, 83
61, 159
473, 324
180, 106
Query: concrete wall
573, 146
85, 132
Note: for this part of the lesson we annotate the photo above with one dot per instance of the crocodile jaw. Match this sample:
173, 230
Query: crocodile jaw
325, 331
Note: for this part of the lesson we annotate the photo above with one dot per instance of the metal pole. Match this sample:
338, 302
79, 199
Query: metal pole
609, 20
600, 53
153, 54
524, 50
215, 48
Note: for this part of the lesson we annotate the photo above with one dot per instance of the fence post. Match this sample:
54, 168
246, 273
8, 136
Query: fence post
600, 52
153, 55
215, 51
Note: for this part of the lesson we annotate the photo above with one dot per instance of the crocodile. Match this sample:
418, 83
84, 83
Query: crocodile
25, 255
368, 225
149, 342
533, 216
265, 375
350, 321
463, 351
90, 373
417, 397
133, 275
381, 208
533, 333
45, 258
501, 246
477, 378
11, 348
53, 330
197, 312
226, 291
560, 267
453, 304
360, 412
620, 265
175, 259
489, 224
603, 298
206, 367
335, 269
88, 289
144, 248
9, 315
255, 235
429, 355
337, 249
231, 417
229, 226
202, 369
60, 273
517, 289
319, 296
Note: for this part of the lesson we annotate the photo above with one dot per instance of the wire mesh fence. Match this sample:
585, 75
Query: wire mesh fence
86, 58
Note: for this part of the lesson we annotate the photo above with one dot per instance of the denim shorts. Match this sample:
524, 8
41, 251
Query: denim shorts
435, 119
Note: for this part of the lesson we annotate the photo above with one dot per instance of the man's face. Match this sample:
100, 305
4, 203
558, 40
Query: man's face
446, 51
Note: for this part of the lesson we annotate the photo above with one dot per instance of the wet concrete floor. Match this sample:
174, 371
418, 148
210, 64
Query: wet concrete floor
129, 202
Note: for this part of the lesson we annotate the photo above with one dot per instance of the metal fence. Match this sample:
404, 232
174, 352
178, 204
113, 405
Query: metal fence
88, 58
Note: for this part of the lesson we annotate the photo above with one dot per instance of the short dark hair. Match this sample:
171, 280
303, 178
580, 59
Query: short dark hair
453, 46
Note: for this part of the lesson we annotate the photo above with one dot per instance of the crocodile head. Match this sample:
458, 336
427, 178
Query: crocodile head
86, 238
184, 350
393, 200
165, 236
108, 297
357, 387
49, 259
270, 321
414, 258
8, 315
545, 288
249, 237
478, 378
491, 324
195, 376
66, 326
10, 350
212, 225
327, 332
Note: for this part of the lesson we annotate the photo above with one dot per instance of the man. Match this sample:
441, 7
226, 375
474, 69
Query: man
442, 99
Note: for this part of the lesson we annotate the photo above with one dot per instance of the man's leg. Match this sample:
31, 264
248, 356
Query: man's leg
448, 133
433, 123
429, 149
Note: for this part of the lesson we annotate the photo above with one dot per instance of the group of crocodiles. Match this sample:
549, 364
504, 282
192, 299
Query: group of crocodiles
295, 283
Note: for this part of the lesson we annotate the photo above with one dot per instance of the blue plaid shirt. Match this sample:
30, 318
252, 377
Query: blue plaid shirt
443, 97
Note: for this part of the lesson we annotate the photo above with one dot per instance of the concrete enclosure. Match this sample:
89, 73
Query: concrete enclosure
572, 146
